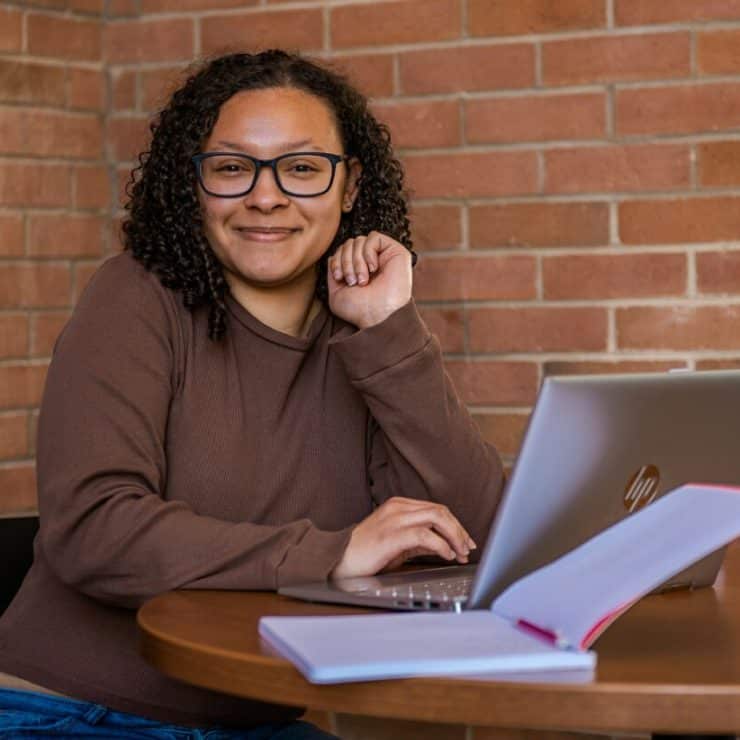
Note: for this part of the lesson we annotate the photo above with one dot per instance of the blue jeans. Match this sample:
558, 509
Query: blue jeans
28, 714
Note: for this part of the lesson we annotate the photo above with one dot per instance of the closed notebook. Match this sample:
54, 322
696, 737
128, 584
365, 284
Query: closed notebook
546, 621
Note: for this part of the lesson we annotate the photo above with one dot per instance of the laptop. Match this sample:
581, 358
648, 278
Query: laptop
596, 449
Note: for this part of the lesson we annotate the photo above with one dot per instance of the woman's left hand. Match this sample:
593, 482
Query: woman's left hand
369, 277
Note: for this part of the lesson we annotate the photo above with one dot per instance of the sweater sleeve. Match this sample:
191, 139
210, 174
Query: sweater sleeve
424, 443
106, 527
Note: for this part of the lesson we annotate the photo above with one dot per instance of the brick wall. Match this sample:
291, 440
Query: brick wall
54, 204
574, 167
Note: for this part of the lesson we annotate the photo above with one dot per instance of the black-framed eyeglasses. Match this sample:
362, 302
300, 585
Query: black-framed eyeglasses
301, 174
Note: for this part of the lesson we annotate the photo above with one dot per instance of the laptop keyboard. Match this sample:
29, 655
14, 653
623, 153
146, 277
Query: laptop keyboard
445, 593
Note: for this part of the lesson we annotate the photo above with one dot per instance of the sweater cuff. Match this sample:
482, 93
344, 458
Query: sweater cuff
314, 557
383, 345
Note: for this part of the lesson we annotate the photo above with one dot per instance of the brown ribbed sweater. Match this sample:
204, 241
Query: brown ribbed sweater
167, 461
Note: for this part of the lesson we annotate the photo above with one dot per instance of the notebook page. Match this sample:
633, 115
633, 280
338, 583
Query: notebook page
579, 595
370, 647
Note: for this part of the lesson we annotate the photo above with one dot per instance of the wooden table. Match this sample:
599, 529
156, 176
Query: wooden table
671, 664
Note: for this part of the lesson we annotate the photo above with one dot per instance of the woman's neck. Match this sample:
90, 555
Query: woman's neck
289, 309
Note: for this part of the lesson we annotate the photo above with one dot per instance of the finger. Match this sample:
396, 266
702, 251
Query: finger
335, 263
362, 270
371, 256
346, 258
401, 503
440, 519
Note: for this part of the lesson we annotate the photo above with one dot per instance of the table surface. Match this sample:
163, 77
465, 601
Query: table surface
670, 664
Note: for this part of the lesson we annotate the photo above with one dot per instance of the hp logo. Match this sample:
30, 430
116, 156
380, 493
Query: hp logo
642, 487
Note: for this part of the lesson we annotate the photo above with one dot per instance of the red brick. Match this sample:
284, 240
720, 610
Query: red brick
63, 37
475, 278
545, 329
296, 29
158, 84
494, 383
423, 124
149, 41
33, 435
11, 29
605, 276
166, 6
123, 8
730, 363
46, 133
123, 179
504, 431
37, 184
718, 272
608, 367
472, 175
128, 136
11, 234
65, 235
123, 89
86, 89
83, 271
717, 52
536, 118
679, 221
45, 328
719, 163
18, 486
436, 227
640, 12
21, 385
13, 435
13, 335
91, 187
503, 17
679, 109
448, 325
385, 23
87, 6
678, 327
616, 58
32, 285
370, 73
539, 224
467, 69
27, 82
617, 168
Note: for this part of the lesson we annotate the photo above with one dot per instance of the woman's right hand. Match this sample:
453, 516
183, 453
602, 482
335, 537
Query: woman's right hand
399, 529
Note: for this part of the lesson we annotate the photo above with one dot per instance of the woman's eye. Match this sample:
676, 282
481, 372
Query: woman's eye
230, 167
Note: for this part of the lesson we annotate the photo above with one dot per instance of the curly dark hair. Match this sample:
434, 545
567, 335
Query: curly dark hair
164, 228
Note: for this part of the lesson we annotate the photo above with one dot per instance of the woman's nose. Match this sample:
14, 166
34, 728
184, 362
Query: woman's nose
266, 194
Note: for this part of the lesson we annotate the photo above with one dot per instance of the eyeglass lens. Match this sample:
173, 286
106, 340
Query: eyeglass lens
303, 174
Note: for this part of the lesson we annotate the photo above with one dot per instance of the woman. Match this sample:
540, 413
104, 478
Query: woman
245, 398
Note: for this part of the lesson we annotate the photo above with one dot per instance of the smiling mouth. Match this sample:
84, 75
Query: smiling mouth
265, 233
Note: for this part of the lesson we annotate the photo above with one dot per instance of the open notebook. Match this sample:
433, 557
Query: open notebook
544, 621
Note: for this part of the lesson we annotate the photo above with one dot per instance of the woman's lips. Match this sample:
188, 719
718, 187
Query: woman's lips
271, 234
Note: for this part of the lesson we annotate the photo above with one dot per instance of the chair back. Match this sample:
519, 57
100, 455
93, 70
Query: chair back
16, 553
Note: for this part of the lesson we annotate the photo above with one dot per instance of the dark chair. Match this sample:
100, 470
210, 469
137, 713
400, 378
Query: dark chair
16, 553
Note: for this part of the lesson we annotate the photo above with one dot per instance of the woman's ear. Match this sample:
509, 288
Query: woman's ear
351, 184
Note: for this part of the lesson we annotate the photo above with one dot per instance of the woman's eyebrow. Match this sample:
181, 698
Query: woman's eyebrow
288, 146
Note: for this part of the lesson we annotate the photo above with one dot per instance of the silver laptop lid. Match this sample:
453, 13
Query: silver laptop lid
598, 446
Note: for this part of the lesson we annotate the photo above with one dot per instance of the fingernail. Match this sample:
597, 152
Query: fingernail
472, 545
362, 280
351, 281
337, 274
451, 555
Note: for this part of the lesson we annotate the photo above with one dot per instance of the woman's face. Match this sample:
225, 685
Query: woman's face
268, 239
